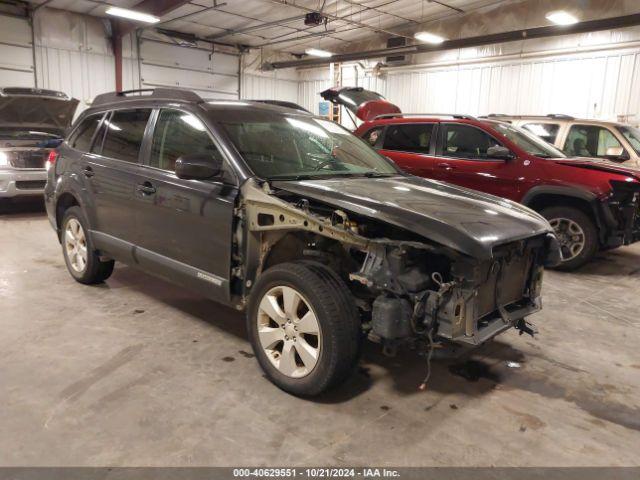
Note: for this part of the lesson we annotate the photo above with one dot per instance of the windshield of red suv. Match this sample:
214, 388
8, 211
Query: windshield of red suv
633, 137
295, 147
529, 142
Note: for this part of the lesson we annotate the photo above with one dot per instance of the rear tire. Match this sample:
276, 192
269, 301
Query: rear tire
577, 234
304, 327
83, 262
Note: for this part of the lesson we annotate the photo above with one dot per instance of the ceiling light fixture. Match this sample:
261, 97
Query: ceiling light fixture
132, 15
316, 52
427, 37
560, 17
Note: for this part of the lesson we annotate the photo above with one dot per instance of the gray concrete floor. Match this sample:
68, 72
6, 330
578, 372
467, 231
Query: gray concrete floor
139, 372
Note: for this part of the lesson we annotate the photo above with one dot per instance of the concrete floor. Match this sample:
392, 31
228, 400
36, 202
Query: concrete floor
139, 372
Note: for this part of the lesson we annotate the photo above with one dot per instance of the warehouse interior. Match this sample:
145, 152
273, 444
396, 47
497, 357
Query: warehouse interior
137, 371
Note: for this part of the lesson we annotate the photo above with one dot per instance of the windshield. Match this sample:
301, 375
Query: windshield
529, 142
633, 137
24, 134
296, 147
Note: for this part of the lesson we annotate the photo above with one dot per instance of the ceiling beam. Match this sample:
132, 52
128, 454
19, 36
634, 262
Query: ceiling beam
330, 16
511, 36
253, 28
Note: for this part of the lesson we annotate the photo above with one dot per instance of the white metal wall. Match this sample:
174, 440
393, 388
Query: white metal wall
212, 75
598, 80
269, 88
16, 54
73, 55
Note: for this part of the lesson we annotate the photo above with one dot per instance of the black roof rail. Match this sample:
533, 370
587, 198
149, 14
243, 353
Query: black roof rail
452, 115
176, 94
560, 116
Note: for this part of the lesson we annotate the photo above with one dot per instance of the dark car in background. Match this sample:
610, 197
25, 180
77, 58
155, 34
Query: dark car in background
591, 203
32, 123
298, 222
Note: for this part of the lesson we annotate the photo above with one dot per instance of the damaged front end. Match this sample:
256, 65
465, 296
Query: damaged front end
408, 289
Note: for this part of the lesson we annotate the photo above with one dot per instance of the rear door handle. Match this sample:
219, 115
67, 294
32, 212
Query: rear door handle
146, 188
88, 172
446, 166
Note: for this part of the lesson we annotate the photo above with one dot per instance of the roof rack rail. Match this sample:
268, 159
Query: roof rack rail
176, 94
452, 115
559, 116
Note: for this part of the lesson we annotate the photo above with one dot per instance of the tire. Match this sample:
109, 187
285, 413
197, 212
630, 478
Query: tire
568, 220
84, 267
273, 337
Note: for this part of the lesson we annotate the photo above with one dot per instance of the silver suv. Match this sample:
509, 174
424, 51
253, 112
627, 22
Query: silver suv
32, 123
577, 137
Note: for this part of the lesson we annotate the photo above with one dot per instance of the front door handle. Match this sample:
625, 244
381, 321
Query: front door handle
88, 172
446, 166
146, 188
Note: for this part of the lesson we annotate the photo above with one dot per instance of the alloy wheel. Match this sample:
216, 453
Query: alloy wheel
289, 331
571, 237
75, 244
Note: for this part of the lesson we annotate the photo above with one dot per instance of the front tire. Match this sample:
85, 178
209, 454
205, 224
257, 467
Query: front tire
577, 234
303, 327
83, 262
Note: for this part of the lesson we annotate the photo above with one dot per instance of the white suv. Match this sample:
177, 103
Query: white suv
583, 138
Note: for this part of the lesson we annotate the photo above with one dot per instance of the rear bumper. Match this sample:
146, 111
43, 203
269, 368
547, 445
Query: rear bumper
16, 182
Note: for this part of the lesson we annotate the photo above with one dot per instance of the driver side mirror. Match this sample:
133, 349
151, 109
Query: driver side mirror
198, 166
499, 152
616, 153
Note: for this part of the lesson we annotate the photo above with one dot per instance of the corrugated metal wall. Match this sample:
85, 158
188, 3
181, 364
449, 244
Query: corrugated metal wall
598, 82
16, 54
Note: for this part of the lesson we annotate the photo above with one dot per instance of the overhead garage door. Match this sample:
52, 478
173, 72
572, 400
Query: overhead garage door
16, 53
211, 75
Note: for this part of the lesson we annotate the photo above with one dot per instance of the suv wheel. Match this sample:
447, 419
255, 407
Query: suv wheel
303, 327
82, 261
576, 233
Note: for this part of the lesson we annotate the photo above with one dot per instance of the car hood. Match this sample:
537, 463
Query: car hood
467, 221
32, 111
600, 164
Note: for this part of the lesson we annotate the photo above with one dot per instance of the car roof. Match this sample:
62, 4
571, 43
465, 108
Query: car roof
554, 119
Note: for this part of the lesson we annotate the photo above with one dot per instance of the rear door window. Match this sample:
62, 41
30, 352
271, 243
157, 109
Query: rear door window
81, 139
124, 134
414, 138
546, 131
465, 141
374, 137
589, 141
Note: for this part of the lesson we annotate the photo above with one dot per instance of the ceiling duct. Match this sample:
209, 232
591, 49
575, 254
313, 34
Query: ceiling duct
398, 58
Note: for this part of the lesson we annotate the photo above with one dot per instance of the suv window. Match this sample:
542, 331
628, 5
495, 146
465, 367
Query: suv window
546, 131
409, 138
589, 141
178, 133
125, 130
465, 141
81, 139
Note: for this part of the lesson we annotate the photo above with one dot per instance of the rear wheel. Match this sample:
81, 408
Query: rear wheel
576, 233
303, 327
82, 260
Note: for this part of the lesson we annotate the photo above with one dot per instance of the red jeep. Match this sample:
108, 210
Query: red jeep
592, 204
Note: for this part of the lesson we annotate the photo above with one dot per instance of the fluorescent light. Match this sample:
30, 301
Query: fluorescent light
132, 15
316, 52
4, 159
560, 17
429, 37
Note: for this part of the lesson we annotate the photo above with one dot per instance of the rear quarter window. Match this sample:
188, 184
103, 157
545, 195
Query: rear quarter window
82, 136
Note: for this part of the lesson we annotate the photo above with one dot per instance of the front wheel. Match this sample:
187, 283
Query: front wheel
303, 327
576, 233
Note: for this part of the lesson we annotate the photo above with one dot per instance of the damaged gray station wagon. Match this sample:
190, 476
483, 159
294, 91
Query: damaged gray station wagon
292, 218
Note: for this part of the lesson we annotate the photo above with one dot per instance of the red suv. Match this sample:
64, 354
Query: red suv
592, 204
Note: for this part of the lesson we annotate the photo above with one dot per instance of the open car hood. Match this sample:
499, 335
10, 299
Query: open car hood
602, 165
34, 108
467, 221
364, 104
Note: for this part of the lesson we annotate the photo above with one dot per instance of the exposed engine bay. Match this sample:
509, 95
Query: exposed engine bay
408, 289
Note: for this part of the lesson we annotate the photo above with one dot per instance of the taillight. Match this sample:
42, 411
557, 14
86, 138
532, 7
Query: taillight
51, 159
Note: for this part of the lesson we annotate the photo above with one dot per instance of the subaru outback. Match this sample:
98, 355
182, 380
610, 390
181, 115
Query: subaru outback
291, 218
